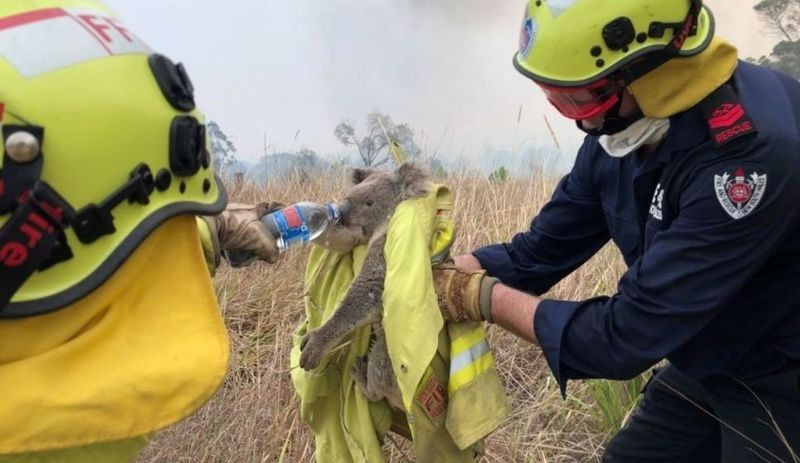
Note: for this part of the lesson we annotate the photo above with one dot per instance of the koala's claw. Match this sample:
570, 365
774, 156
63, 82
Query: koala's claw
311, 351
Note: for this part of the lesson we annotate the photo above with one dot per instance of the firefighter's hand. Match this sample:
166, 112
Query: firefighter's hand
238, 228
463, 294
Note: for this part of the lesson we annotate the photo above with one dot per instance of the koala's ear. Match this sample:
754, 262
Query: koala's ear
413, 180
357, 174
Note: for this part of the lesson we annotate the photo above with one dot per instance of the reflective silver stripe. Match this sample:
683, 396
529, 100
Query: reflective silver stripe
465, 359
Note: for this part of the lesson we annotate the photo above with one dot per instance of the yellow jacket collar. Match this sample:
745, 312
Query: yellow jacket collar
141, 352
681, 83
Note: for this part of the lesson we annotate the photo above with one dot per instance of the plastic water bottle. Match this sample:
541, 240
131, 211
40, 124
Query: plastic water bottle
292, 226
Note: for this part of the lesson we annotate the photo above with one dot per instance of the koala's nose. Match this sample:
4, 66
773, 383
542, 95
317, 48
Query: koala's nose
344, 208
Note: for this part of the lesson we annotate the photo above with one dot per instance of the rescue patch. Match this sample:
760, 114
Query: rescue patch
433, 398
740, 193
726, 117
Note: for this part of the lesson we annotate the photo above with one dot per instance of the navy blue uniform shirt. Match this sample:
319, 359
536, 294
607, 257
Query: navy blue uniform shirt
711, 238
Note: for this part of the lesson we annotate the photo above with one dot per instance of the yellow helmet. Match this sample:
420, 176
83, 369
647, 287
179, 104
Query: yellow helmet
573, 43
102, 144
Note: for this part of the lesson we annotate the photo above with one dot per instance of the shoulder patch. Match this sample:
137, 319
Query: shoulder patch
726, 117
739, 190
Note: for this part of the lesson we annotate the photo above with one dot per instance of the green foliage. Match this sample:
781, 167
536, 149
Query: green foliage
615, 400
223, 151
785, 58
782, 18
499, 175
339, 164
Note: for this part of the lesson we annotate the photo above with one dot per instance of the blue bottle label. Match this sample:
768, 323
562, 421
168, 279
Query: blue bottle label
292, 226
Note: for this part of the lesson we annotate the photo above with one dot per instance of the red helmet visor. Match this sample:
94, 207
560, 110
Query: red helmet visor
583, 102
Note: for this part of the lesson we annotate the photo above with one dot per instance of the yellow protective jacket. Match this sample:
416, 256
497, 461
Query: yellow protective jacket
447, 413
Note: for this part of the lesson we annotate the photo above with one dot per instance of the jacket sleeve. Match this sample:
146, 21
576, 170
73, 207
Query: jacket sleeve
689, 272
211, 252
569, 230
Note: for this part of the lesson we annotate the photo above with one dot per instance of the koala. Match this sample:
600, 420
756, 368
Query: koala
370, 203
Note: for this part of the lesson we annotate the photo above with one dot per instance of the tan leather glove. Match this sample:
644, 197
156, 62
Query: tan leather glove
463, 295
238, 228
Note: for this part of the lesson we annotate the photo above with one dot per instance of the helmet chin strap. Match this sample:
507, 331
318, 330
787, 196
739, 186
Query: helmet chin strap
613, 123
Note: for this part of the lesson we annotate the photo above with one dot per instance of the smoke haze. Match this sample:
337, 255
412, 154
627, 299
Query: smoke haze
443, 67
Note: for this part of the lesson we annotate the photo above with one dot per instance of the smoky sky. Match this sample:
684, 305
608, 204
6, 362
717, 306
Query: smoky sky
292, 70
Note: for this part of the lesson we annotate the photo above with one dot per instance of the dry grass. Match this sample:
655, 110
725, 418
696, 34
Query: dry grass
254, 418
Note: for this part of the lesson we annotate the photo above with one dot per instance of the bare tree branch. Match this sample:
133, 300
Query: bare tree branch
777, 15
373, 148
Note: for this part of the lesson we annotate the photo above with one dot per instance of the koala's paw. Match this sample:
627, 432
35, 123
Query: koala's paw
312, 349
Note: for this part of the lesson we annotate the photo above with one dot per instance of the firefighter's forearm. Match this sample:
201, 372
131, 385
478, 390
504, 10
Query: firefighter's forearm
514, 311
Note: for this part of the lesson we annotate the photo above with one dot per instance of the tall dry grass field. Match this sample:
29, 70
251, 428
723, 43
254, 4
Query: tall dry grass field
254, 416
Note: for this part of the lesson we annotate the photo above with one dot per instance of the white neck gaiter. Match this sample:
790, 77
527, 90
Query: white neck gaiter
645, 131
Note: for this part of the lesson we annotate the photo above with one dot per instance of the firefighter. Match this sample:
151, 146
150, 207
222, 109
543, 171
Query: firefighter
690, 166
109, 328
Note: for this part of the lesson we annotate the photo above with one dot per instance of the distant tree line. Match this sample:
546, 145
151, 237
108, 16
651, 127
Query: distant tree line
373, 147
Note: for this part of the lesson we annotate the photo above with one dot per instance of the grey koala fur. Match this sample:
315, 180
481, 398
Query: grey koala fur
373, 198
